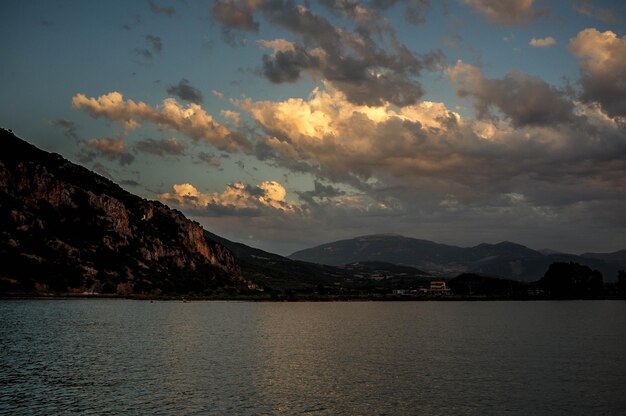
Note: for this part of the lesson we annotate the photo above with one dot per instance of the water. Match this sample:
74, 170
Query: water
361, 358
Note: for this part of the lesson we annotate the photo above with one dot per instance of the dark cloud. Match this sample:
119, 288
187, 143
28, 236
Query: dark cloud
372, 78
210, 159
68, 126
170, 11
375, 89
370, 64
143, 53
136, 20
161, 147
525, 99
609, 92
129, 182
111, 149
231, 38
415, 11
186, 91
154, 45
320, 191
286, 66
102, 170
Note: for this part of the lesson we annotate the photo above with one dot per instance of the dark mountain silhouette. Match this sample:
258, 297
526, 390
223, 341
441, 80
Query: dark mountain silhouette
66, 229
271, 271
506, 259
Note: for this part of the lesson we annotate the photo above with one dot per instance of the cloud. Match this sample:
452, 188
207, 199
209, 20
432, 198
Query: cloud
423, 150
190, 120
129, 182
68, 126
112, 149
524, 99
237, 14
265, 198
209, 159
360, 11
370, 65
170, 11
602, 60
586, 8
542, 42
163, 147
320, 192
186, 91
233, 116
154, 45
508, 13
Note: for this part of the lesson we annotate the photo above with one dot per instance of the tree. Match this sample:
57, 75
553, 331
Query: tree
572, 281
621, 284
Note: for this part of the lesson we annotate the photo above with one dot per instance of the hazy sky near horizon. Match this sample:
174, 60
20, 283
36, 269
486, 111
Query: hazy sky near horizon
285, 124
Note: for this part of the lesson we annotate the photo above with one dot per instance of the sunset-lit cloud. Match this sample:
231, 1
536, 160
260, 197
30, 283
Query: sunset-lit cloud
602, 59
429, 148
190, 120
237, 199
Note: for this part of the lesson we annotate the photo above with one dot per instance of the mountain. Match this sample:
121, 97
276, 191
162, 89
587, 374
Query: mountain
65, 229
506, 259
617, 257
274, 272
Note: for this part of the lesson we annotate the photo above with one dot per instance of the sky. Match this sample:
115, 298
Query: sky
284, 124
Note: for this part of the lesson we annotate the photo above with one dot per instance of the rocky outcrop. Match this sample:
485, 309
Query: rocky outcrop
64, 228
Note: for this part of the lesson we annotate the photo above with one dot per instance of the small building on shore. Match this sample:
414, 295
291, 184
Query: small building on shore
438, 287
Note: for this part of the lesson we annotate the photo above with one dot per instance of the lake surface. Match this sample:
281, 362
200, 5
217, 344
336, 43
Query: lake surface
355, 358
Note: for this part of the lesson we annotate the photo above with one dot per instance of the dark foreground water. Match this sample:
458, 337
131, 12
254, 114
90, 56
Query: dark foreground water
430, 358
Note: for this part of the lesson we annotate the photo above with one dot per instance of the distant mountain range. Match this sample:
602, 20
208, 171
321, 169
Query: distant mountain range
506, 259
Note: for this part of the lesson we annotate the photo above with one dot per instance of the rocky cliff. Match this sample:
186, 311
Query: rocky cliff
66, 229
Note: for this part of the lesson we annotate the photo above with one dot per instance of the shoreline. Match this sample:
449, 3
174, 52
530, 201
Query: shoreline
295, 298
